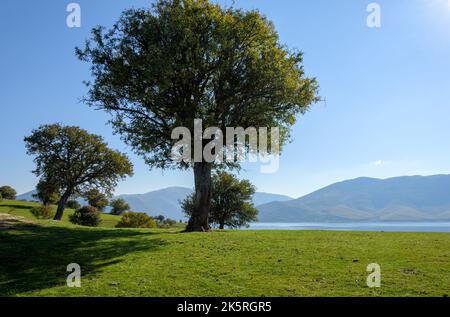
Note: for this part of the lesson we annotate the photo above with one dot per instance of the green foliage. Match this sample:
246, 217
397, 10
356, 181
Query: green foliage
1, 197
96, 199
43, 212
73, 204
159, 69
75, 160
7, 192
119, 206
86, 216
136, 220
231, 202
47, 192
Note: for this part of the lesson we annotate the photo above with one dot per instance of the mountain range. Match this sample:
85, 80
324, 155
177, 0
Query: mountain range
407, 198
167, 201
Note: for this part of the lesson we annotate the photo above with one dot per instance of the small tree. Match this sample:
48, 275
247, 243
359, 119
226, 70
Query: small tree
96, 199
75, 161
47, 192
119, 206
160, 69
8, 192
73, 204
231, 202
159, 218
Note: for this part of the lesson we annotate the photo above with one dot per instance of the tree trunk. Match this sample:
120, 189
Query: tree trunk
222, 226
61, 206
203, 187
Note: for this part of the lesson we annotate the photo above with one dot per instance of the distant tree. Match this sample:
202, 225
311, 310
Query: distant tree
159, 218
47, 192
75, 161
119, 206
73, 204
136, 220
160, 69
231, 203
96, 198
1, 197
8, 192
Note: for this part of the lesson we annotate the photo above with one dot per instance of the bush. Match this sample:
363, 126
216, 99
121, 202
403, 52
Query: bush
73, 204
42, 212
136, 220
166, 223
86, 216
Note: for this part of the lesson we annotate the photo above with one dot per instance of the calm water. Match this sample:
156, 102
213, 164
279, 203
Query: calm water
370, 226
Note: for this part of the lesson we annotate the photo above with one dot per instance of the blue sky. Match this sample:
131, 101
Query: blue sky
387, 90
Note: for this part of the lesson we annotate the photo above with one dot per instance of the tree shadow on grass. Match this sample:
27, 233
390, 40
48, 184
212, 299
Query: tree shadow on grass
34, 258
21, 207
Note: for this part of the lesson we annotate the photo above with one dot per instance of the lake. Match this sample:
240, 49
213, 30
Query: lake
360, 226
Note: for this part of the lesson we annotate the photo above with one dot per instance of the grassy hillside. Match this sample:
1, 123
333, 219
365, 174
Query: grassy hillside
117, 262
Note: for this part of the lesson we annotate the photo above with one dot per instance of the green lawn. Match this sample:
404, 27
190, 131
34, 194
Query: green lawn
118, 262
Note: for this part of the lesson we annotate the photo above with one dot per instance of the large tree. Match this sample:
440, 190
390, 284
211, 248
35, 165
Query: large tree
159, 69
231, 203
75, 161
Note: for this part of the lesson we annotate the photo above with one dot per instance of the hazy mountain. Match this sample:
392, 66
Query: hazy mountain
260, 198
166, 201
413, 198
28, 196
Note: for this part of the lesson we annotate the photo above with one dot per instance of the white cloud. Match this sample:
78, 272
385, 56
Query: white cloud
381, 162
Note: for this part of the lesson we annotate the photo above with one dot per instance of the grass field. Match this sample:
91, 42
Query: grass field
119, 262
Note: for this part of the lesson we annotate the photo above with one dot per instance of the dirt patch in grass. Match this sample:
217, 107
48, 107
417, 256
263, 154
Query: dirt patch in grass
10, 222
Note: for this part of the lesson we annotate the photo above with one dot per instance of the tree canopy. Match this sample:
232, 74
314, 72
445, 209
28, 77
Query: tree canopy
231, 202
96, 198
75, 161
47, 192
7, 192
119, 206
161, 68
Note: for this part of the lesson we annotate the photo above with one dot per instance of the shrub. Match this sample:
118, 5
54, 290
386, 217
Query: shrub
136, 220
86, 216
73, 204
42, 212
8, 192
166, 223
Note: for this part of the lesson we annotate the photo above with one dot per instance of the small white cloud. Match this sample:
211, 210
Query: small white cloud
381, 162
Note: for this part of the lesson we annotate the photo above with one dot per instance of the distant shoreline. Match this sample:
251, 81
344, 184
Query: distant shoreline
399, 226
